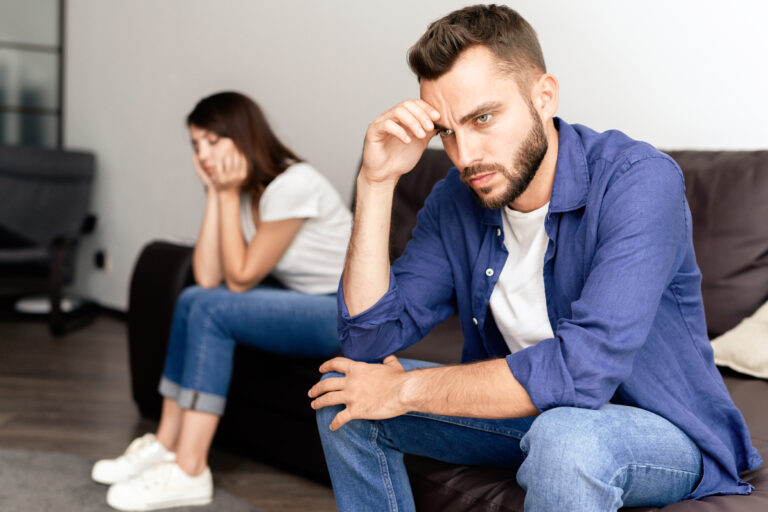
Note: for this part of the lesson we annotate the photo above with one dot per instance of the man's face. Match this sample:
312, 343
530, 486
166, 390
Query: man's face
491, 132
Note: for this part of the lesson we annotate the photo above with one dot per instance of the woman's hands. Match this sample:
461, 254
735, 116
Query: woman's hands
231, 172
201, 173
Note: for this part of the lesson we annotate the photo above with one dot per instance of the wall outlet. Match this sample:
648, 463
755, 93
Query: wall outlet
101, 260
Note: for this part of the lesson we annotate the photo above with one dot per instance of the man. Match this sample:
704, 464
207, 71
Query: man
568, 255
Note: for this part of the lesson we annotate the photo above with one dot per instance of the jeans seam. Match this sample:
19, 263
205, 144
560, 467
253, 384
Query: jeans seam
656, 467
383, 466
624, 468
515, 434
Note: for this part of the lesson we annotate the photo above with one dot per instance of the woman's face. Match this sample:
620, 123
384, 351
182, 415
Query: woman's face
209, 148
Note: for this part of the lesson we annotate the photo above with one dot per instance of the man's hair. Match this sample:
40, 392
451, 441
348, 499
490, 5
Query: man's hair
500, 29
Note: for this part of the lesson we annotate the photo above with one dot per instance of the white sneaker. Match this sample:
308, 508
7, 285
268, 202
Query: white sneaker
163, 486
143, 453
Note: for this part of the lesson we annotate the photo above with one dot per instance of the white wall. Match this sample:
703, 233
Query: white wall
683, 74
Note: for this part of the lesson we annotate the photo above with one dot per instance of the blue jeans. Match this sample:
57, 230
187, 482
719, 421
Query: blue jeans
209, 322
567, 458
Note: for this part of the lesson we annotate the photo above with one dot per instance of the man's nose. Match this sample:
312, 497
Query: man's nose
467, 151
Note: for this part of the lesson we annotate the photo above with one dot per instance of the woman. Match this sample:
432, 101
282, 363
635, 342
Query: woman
266, 212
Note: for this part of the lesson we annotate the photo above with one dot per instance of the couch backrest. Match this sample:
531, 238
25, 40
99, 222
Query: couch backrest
728, 195
411, 192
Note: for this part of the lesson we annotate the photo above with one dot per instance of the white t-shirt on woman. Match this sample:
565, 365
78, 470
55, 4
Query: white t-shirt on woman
315, 259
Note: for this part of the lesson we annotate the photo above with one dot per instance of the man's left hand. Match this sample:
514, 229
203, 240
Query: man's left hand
369, 391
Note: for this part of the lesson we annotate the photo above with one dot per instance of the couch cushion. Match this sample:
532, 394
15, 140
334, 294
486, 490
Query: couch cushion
728, 195
745, 347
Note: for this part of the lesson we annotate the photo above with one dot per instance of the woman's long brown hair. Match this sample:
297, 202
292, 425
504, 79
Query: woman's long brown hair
236, 116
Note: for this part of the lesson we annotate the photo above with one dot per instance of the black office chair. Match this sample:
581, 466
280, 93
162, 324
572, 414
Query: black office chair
44, 201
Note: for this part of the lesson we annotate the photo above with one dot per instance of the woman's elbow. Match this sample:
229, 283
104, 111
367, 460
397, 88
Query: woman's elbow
207, 281
236, 286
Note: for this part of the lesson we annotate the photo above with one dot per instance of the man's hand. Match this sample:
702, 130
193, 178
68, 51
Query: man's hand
396, 140
369, 391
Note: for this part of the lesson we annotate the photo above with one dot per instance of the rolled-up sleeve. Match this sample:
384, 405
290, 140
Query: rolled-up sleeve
641, 233
420, 295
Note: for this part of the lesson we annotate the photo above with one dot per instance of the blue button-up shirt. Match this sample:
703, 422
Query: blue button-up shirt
623, 294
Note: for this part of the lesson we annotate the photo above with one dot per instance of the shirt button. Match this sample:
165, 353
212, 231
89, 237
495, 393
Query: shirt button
489, 272
498, 231
474, 320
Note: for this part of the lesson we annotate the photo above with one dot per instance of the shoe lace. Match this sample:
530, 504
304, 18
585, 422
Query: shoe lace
159, 475
138, 448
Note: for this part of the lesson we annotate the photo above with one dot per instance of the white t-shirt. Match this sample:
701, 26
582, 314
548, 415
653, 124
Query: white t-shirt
315, 259
518, 302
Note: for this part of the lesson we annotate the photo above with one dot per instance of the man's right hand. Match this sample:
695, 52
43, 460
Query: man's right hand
396, 140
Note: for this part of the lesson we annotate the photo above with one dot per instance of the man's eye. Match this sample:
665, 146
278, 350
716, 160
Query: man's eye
212, 141
447, 132
484, 118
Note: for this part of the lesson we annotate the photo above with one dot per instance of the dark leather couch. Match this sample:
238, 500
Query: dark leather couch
268, 413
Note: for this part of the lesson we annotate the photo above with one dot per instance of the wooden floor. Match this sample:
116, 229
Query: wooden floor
72, 395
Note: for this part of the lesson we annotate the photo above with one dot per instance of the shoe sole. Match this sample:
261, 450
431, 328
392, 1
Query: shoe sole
106, 481
181, 502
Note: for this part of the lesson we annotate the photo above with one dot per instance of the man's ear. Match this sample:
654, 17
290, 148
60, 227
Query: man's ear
545, 95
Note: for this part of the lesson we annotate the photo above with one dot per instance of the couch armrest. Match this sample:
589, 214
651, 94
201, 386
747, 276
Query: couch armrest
162, 271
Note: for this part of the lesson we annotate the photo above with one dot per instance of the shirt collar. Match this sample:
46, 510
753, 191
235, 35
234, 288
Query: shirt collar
571, 185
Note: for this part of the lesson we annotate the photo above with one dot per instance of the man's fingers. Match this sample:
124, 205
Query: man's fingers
392, 361
326, 385
342, 418
332, 398
392, 128
417, 110
429, 109
337, 364
403, 116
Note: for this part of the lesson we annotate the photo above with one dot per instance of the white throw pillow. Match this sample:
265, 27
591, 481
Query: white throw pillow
745, 347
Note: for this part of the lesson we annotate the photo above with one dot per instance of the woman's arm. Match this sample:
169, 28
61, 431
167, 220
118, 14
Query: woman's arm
206, 259
244, 267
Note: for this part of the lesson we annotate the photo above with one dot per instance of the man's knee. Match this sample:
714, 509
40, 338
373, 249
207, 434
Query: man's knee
566, 440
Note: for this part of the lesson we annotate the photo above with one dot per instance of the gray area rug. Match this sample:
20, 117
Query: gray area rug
33, 481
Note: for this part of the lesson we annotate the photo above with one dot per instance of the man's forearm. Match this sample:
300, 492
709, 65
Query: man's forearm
366, 272
479, 390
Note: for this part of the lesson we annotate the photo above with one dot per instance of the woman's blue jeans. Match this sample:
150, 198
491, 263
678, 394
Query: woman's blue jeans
568, 459
209, 322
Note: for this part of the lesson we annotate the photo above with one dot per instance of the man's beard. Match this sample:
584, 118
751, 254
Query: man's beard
527, 161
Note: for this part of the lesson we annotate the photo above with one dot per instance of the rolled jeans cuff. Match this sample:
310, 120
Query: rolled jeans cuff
192, 399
